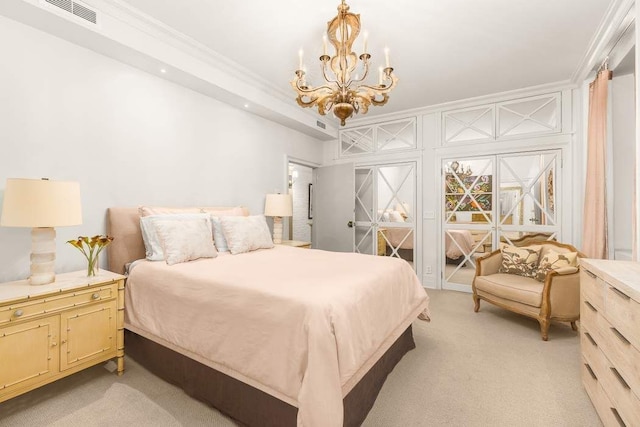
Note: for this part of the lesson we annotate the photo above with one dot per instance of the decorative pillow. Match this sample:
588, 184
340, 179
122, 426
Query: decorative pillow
158, 210
152, 242
246, 233
185, 240
218, 235
236, 211
521, 261
396, 216
554, 260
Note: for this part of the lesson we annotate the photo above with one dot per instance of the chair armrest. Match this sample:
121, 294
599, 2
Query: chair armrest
562, 292
489, 264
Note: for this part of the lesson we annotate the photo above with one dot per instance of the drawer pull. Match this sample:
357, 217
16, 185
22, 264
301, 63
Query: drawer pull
95, 296
620, 336
18, 313
618, 417
593, 375
593, 276
591, 307
620, 293
590, 338
619, 377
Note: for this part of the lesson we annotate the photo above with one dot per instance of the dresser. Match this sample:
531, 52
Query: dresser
50, 331
610, 339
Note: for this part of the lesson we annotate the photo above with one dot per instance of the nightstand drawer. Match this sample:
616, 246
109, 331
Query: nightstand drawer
40, 306
624, 314
590, 318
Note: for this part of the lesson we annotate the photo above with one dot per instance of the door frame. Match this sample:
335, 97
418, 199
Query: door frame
418, 230
291, 159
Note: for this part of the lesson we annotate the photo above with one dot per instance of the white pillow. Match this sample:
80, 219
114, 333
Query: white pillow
246, 233
185, 240
152, 243
218, 235
396, 216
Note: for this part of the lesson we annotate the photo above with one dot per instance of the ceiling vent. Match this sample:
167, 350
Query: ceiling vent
75, 8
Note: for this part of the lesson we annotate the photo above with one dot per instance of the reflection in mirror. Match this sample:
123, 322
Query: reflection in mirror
364, 240
364, 194
396, 211
468, 191
528, 189
461, 248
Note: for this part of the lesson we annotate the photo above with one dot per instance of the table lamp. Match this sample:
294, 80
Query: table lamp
277, 206
41, 204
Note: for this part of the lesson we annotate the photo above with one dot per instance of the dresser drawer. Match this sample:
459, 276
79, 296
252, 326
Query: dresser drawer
40, 306
592, 289
624, 356
591, 353
590, 318
621, 396
624, 314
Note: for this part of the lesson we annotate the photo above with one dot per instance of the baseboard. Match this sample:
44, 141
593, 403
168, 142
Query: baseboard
429, 282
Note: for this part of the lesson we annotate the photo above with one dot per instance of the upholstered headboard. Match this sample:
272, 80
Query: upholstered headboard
123, 224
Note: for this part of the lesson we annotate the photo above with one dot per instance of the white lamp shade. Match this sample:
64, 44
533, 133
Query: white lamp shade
278, 205
41, 203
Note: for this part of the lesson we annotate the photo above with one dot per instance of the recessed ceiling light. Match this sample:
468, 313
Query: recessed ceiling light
163, 70
246, 105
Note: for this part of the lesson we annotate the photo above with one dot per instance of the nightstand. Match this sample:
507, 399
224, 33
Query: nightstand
296, 244
50, 331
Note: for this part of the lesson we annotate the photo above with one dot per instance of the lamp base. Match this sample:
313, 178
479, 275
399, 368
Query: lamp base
277, 230
43, 256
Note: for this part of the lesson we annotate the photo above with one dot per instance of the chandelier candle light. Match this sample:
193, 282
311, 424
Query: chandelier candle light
341, 92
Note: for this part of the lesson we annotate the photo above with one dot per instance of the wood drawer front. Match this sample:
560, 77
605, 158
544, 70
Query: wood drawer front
37, 307
592, 289
590, 318
624, 314
624, 356
29, 353
621, 395
592, 354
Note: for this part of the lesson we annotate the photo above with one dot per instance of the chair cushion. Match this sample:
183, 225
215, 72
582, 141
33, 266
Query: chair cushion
520, 261
512, 287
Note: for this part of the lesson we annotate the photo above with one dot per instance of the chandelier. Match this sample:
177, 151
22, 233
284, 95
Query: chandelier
342, 90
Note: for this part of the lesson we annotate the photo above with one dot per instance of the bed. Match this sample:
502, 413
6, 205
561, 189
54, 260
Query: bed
270, 337
458, 243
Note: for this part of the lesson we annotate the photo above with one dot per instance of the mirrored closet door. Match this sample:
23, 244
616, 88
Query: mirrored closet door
511, 198
385, 210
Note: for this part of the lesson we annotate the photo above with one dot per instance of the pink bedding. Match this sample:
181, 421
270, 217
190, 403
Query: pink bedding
303, 325
396, 237
458, 243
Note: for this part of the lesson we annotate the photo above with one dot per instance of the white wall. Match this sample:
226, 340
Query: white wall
623, 139
127, 136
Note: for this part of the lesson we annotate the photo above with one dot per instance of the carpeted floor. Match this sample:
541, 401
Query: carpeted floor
484, 369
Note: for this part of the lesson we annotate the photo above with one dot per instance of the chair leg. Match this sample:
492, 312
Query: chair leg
574, 326
476, 302
544, 329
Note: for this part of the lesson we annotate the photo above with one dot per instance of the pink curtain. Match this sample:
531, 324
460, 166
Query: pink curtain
594, 236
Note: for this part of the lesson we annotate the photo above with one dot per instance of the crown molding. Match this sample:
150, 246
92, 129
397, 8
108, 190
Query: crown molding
617, 19
128, 15
467, 102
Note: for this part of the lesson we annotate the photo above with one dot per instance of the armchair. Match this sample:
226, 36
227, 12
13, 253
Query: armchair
557, 298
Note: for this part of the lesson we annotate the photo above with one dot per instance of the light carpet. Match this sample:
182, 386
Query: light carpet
121, 405
469, 369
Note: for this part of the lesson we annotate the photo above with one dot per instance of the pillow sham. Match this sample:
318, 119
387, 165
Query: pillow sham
185, 240
246, 233
554, 260
522, 261
159, 210
396, 216
152, 243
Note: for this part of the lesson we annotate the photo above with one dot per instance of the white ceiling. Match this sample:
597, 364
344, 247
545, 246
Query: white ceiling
442, 50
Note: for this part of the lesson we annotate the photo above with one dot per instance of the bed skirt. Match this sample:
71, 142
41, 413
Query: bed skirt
246, 404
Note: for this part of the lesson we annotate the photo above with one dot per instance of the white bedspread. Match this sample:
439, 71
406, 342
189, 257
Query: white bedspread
302, 325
